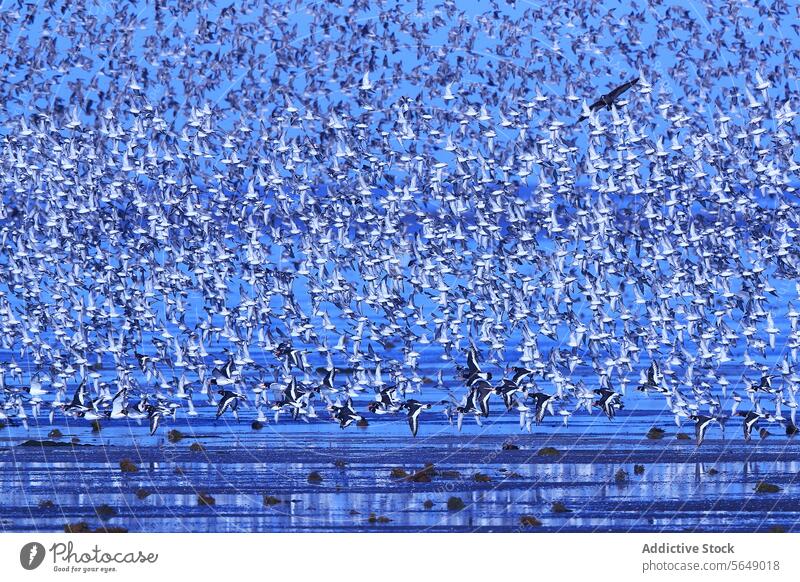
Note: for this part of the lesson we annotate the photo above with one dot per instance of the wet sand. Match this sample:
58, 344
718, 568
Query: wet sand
244, 480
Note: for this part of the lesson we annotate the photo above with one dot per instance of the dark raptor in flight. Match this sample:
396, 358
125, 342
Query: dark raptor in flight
608, 99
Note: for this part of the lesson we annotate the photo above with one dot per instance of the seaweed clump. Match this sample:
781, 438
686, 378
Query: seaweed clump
764, 487
455, 504
128, 466
529, 521
559, 507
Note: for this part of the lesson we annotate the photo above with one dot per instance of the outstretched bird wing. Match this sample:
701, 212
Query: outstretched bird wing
621, 89
586, 110
413, 422
599, 104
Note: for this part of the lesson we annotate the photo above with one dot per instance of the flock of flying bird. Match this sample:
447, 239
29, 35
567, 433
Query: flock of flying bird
332, 210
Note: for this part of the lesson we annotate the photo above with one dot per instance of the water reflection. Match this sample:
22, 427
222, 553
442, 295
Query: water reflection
163, 495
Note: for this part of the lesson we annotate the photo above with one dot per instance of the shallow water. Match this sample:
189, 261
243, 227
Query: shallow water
682, 487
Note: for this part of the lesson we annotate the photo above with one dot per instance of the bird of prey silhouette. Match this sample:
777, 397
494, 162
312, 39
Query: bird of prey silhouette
607, 100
